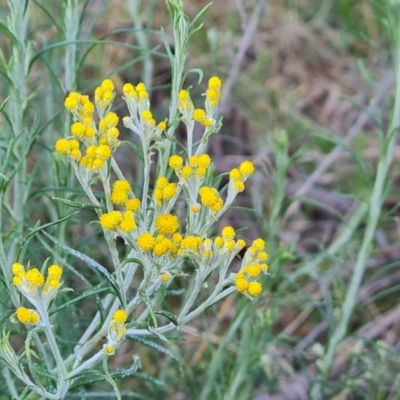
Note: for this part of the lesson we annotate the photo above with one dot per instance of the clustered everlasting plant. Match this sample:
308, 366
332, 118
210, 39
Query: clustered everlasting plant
165, 228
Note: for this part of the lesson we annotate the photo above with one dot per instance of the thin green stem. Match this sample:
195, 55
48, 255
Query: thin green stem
375, 205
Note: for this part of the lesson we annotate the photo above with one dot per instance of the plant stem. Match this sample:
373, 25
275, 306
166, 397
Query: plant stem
375, 204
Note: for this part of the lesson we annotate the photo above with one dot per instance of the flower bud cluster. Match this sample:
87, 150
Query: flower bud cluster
40, 291
164, 192
141, 119
124, 219
27, 316
239, 175
100, 141
116, 331
195, 167
253, 265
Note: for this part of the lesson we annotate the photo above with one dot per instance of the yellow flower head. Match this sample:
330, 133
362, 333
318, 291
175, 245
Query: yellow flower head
141, 87
162, 182
240, 244
73, 144
228, 233
214, 83
34, 277
176, 238
246, 168
98, 163
187, 171
254, 270
264, 267
183, 95
239, 186
55, 271
120, 316
169, 191
235, 174
110, 220
18, 269
107, 85
204, 161
195, 208
72, 101
109, 350
119, 196
263, 256
241, 285
122, 185
111, 120
194, 161
175, 162
62, 146
162, 247
254, 289
78, 129
103, 152
218, 242
167, 224
258, 245
191, 243
146, 241
239, 275
132, 204
129, 90
165, 277
162, 125
128, 224
199, 114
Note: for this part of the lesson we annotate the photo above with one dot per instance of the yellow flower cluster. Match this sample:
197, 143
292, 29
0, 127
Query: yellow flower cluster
79, 105
124, 220
68, 148
209, 197
254, 265
191, 244
33, 281
104, 94
196, 166
96, 156
213, 91
108, 131
226, 241
120, 196
27, 316
147, 117
160, 245
100, 142
138, 94
164, 190
200, 116
84, 130
137, 99
117, 219
239, 175
185, 103
256, 252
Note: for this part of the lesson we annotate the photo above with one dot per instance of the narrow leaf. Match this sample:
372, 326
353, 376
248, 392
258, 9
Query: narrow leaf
75, 204
154, 346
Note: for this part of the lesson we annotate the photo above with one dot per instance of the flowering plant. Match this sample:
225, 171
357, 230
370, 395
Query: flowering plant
165, 228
